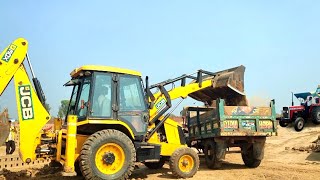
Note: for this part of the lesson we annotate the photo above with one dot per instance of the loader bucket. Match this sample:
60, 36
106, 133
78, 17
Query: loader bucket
4, 126
227, 85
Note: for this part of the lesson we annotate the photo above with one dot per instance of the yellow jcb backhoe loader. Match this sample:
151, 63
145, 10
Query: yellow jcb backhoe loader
113, 121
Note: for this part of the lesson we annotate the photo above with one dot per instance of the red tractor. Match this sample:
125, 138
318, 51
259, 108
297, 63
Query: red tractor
309, 109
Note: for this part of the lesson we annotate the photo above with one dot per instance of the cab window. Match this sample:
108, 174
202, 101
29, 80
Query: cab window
131, 94
82, 107
101, 100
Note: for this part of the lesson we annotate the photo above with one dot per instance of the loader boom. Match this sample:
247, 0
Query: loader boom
206, 87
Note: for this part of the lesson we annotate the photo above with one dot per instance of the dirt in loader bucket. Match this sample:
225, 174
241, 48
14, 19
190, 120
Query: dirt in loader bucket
4, 126
227, 85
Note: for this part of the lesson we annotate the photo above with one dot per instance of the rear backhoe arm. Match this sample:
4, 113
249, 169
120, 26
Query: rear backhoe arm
29, 97
11, 59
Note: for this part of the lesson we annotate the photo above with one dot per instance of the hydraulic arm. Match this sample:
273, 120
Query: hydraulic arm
205, 86
29, 96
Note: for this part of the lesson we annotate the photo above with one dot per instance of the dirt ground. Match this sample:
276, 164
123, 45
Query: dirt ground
280, 162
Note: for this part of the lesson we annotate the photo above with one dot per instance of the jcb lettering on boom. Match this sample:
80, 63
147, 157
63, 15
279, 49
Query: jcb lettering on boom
26, 102
160, 104
6, 57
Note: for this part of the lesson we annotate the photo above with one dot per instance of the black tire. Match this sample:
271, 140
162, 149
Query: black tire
120, 150
189, 157
77, 168
155, 165
283, 124
210, 155
299, 124
249, 158
316, 115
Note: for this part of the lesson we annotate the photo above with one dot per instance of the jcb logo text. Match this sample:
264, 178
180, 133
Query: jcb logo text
6, 57
26, 102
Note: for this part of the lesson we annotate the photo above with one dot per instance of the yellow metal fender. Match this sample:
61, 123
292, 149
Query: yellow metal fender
111, 122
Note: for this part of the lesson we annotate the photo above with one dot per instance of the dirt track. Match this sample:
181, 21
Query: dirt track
280, 162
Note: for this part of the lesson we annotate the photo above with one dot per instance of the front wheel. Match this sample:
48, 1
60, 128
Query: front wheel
283, 124
299, 124
184, 163
107, 154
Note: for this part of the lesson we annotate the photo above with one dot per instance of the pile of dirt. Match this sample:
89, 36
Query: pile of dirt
309, 149
46, 172
313, 147
23, 174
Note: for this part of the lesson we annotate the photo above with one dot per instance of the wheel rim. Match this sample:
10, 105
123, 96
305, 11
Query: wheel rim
186, 163
318, 115
300, 124
110, 158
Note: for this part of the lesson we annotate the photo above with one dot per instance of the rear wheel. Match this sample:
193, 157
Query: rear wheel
316, 115
184, 163
107, 154
210, 155
249, 157
155, 165
283, 124
299, 124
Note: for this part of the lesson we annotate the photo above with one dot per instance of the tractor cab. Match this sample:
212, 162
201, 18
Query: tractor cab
106, 95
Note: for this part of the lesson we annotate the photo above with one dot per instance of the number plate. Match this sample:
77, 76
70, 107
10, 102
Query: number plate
265, 124
229, 124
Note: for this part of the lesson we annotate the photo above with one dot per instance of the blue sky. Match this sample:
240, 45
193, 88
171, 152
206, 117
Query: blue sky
277, 41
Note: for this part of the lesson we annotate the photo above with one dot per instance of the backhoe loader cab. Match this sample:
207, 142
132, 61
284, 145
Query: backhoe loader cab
101, 94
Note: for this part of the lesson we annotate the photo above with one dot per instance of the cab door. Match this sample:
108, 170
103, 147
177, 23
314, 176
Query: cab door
132, 103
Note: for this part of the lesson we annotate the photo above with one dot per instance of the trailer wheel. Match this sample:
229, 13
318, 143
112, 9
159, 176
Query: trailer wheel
316, 115
210, 155
283, 124
299, 124
184, 162
155, 165
107, 154
249, 158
